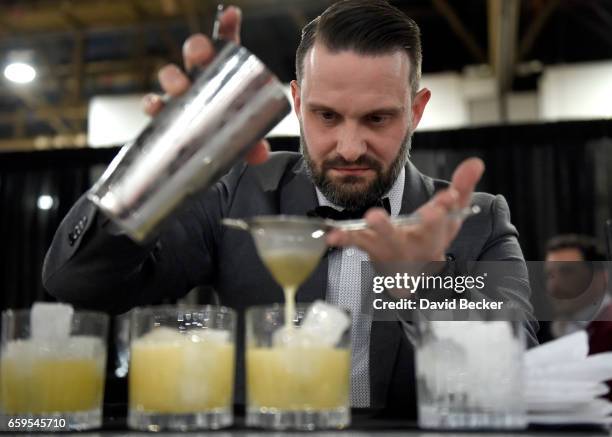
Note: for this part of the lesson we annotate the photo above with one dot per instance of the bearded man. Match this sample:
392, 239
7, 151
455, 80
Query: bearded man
358, 101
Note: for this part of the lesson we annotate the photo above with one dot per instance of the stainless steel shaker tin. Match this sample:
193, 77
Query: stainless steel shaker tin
192, 142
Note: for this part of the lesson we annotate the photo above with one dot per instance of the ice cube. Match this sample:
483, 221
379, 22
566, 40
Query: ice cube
161, 334
195, 358
217, 336
84, 346
293, 337
325, 323
492, 354
50, 321
18, 348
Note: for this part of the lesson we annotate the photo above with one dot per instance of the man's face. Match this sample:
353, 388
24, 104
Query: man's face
567, 276
356, 118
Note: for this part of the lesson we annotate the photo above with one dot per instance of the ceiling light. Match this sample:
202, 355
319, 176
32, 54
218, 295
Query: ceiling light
45, 202
20, 72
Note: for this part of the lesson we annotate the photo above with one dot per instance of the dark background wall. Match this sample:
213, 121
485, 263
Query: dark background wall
556, 178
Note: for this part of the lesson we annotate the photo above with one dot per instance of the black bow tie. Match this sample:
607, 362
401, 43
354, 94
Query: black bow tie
327, 212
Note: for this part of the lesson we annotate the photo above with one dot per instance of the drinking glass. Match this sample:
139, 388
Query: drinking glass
296, 378
52, 383
470, 374
289, 246
181, 372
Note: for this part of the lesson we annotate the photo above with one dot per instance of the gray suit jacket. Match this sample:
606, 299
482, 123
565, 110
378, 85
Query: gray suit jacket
90, 264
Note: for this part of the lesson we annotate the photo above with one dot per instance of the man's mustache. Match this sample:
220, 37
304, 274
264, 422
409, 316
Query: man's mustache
362, 161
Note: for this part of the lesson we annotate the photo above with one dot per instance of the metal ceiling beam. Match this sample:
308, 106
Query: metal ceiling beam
69, 112
73, 22
29, 144
53, 119
96, 68
503, 37
466, 37
102, 15
17, 145
78, 67
534, 30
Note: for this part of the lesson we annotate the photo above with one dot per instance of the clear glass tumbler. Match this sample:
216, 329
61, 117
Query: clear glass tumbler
181, 374
295, 380
52, 383
470, 375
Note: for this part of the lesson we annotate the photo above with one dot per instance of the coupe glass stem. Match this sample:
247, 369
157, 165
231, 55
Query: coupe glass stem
289, 305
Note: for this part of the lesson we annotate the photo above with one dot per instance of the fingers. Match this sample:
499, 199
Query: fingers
152, 104
426, 241
378, 220
465, 178
379, 240
446, 201
259, 153
172, 80
197, 50
229, 24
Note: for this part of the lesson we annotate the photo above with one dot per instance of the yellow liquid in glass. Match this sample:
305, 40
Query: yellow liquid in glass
316, 378
180, 377
45, 385
290, 268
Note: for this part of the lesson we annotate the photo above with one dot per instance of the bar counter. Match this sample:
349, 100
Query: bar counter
364, 423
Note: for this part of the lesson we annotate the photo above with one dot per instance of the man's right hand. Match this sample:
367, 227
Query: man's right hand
198, 51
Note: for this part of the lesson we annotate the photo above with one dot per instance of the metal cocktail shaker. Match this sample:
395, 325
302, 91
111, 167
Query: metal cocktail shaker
233, 103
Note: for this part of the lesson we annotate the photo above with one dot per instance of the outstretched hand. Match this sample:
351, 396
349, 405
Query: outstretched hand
424, 242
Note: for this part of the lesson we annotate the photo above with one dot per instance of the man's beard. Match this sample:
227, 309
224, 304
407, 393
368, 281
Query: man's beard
349, 193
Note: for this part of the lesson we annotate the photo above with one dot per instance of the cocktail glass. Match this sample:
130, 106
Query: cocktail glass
289, 246
298, 378
52, 383
181, 373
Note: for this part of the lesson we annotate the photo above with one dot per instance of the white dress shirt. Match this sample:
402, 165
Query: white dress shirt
344, 290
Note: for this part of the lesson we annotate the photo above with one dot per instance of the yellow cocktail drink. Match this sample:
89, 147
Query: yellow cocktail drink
39, 379
173, 373
300, 378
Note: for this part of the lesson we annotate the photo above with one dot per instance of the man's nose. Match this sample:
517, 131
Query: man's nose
351, 144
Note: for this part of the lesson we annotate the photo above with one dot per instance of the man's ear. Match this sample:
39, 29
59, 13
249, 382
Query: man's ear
418, 106
297, 101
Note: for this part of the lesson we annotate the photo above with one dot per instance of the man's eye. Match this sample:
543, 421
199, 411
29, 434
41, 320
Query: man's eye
377, 118
327, 115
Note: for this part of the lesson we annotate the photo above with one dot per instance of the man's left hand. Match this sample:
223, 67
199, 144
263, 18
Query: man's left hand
424, 242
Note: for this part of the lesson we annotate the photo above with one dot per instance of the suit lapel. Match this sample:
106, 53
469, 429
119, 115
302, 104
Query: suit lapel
297, 197
418, 189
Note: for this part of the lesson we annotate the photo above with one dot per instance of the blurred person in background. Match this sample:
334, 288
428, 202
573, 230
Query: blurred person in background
577, 284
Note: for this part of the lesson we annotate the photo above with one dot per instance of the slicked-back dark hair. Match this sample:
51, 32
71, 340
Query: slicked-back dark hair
368, 27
